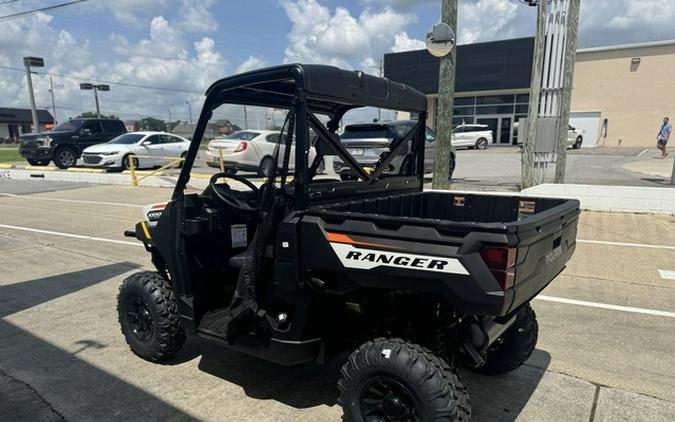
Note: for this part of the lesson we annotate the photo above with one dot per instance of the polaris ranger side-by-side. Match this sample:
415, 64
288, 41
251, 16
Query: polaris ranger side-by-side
305, 268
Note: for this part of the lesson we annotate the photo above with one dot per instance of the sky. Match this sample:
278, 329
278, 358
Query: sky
158, 54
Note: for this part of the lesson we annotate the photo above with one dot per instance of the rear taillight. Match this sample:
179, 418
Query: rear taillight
241, 147
502, 262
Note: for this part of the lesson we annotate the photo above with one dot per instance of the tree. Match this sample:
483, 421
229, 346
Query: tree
150, 123
90, 115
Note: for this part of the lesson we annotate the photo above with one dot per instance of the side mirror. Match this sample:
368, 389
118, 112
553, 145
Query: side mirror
146, 143
85, 132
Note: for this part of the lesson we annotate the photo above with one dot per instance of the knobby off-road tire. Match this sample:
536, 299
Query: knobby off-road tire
514, 347
148, 316
388, 379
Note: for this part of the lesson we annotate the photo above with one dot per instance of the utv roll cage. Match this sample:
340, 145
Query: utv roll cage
311, 90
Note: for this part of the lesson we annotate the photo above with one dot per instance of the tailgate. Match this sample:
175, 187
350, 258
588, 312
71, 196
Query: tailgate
546, 243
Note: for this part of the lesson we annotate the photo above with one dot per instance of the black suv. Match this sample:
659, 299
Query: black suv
65, 143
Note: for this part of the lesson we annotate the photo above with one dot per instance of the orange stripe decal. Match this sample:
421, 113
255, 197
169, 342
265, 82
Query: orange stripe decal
343, 238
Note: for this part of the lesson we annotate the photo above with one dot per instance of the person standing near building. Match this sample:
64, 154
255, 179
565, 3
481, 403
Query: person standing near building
664, 136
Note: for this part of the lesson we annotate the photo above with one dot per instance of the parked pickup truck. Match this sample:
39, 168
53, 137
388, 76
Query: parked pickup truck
64, 144
410, 283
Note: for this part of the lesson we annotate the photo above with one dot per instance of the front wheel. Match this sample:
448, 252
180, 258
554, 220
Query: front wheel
392, 380
514, 347
126, 163
148, 316
65, 157
482, 143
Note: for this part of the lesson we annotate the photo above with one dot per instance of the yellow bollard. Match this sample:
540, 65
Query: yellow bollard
134, 181
222, 162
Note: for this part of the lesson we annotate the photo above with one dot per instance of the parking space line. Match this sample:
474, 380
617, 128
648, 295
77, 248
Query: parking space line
632, 245
79, 201
74, 236
667, 275
606, 306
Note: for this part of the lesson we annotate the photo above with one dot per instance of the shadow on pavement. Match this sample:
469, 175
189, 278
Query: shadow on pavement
502, 398
52, 383
494, 399
26, 294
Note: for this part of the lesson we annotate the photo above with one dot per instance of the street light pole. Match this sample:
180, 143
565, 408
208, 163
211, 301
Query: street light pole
51, 91
446, 100
95, 88
35, 62
189, 111
98, 109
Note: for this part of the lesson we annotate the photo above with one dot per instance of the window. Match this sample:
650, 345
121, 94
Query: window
241, 136
93, 126
272, 138
465, 101
522, 109
523, 98
173, 139
113, 126
69, 126
153, 140
495, 109
495, 99
463, 111
127, 139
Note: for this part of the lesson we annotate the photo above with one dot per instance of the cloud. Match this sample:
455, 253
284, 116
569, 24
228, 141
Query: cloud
485, 20
196, 16
251, 63
402, 42
338, 38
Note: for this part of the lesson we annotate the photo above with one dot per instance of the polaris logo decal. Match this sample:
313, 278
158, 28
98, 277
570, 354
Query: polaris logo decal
367, 259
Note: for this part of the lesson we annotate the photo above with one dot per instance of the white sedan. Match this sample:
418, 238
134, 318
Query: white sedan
152, 148
250, 150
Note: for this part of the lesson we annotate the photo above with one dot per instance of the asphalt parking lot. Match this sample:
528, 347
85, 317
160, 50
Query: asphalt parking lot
605, 351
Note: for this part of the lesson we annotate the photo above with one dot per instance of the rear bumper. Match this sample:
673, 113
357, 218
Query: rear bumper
37, 153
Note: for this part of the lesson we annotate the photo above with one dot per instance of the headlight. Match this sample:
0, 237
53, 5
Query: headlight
44, 141
110, 153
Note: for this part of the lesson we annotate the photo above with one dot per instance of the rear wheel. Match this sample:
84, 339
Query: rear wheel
65, 157
266, 167
481, 143
514, 347
34, 162
148, 316
391, 380
577, 143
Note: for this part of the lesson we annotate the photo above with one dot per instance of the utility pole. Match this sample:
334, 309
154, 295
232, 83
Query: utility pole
51, 91
446, 91
527, 159
35, 62
245, 119
168, 124
566, 100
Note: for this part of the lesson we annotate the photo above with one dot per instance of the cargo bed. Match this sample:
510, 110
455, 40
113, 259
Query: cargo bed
460, 226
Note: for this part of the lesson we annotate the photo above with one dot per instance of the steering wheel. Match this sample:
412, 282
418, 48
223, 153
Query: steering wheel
227, 196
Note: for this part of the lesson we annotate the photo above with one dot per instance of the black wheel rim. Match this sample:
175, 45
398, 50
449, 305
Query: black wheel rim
384, 399
66, 158
140, 319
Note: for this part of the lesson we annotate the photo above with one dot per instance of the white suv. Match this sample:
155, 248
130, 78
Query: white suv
471, 136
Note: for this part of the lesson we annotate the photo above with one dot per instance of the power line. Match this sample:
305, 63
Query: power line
8, 1
127, 84
42, 9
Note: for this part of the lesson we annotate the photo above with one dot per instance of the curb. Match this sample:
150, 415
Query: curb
629, 199
86, 170
41, 168
7, 166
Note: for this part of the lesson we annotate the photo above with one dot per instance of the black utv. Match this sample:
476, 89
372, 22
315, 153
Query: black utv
305, 267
